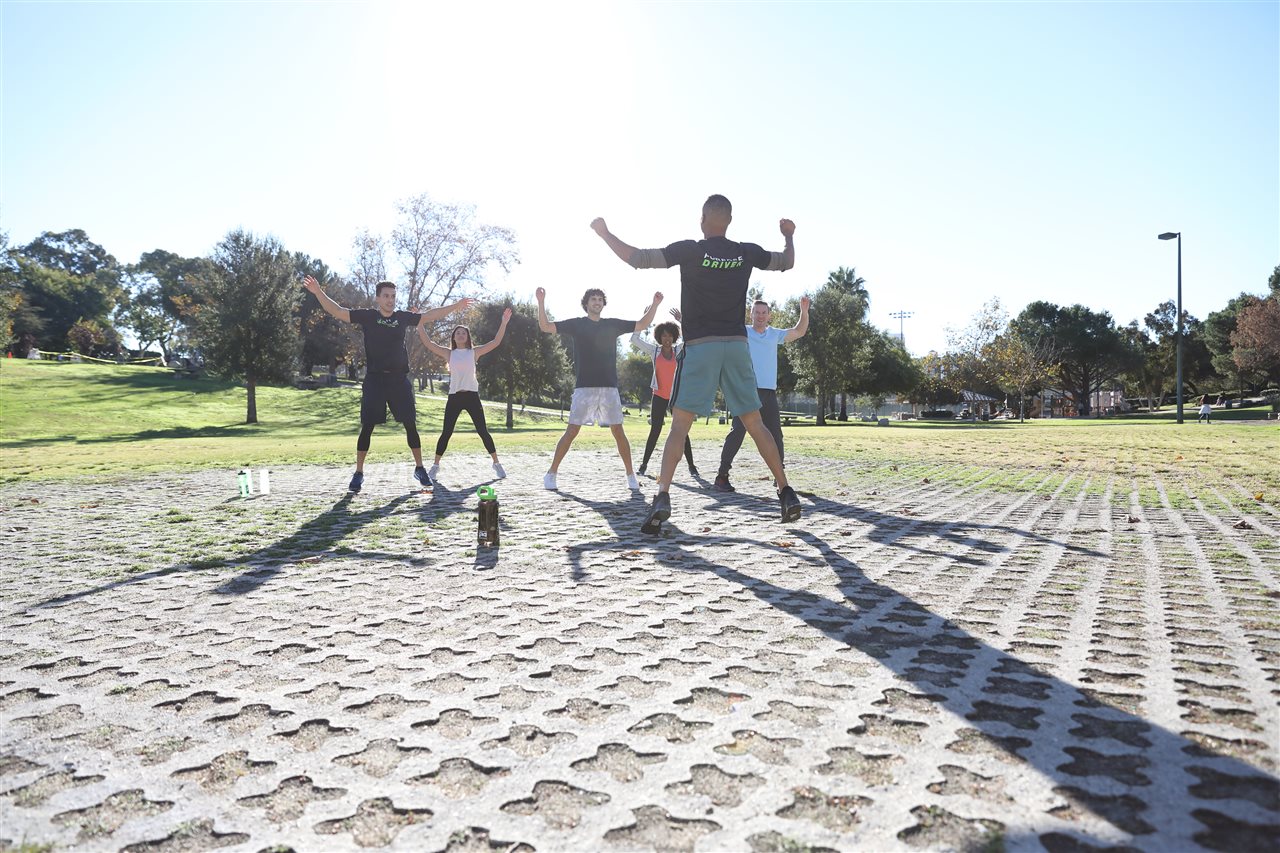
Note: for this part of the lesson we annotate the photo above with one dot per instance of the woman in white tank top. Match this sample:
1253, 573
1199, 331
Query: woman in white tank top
464, 390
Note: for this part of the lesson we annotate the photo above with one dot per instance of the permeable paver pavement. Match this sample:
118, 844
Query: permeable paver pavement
1053, 665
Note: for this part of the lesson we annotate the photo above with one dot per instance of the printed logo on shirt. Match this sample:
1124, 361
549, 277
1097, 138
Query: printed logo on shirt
722, 263
391, 322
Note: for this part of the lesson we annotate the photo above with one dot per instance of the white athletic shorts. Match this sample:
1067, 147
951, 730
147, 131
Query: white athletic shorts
599, 406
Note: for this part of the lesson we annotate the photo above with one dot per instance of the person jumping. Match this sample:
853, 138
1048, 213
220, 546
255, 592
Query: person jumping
714, 274
664, 355
386, 381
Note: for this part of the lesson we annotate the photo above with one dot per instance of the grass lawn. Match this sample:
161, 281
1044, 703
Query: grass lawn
69, 420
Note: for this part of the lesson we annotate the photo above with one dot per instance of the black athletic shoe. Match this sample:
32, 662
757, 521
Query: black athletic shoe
722, 484
658, 513
790, 504
693, 472
420, 474
357, 481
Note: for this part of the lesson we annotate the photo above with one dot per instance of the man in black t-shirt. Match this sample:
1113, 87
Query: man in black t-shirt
714, 274
594, 349
386, 382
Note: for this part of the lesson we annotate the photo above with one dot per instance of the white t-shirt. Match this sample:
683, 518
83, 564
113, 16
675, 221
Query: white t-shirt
462, 371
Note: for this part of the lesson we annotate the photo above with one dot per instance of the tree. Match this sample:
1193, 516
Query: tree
246, 326
89, 337
10, 293
70, 251
53, 300
935, 386
368, 265
822, 359
1256, 340
527, 364
882, 367
141, 310
1090, 349
446, 255
1021, 363
969, 349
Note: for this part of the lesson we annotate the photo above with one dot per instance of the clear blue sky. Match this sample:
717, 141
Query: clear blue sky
951, 152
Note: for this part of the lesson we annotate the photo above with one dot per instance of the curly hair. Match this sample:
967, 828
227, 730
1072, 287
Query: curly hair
668, 327
595, 291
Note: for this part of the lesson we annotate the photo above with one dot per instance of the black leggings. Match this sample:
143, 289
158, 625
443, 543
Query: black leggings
366, 433
459, 401
657, 414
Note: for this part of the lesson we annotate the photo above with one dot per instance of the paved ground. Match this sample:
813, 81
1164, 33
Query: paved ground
1065, 665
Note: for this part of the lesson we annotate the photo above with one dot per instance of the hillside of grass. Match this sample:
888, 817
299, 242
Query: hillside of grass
69, 420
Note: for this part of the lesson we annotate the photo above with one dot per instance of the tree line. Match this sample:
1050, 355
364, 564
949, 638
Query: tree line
242, 311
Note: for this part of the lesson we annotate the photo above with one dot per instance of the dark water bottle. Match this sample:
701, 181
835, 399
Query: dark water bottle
487, 527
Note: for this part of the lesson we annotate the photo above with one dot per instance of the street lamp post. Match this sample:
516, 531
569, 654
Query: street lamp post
900, 316
1169, 235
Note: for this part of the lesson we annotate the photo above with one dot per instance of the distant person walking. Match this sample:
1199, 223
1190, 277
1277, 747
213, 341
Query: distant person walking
763, 340
1205, 410
594, 350
386, 381
714, 274
664, 355
464, 390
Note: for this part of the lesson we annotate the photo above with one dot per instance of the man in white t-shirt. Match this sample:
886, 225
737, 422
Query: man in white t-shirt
763, 341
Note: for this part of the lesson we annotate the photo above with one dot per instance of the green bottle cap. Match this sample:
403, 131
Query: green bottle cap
486, 493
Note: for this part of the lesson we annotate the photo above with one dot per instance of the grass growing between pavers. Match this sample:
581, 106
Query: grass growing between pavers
68, 420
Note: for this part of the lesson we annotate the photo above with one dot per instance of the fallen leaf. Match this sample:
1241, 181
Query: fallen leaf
1258, 496
706, 530
846, 532
925, 480
309, 560
783, 543
1180, 457
89, 506
1242, 525
1133, 519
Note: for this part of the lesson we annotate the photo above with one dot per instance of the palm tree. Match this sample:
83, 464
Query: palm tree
847, 280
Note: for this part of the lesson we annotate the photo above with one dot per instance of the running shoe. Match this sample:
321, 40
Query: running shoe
420, 474
357, 482
632, 483
658, 513
499, 471
434, 472
549, 481
722, 484
790, 504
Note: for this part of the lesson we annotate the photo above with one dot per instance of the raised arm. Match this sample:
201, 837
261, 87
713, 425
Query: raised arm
802, 325
435, 348
332, 308
643, 322
644, 346
621, 249
445, 310
788, 229
497, 339
543, 323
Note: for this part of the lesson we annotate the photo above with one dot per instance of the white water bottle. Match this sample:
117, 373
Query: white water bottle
264, 482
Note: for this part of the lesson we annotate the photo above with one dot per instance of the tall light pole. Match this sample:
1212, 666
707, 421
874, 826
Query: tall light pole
900, 316
1169, 235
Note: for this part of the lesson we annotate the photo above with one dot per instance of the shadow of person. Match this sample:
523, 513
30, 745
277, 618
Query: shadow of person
1130, 772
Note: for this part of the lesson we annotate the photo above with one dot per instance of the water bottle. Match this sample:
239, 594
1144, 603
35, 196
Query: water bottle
245, 485
487, 517
264, 482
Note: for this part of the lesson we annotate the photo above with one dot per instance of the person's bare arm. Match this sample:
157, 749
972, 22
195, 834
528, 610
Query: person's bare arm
332, 308
802, 325
786, 259
543, 323
497, 339
445, 310
643, 322
435, 348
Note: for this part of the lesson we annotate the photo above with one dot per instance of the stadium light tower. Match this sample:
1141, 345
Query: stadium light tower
1169, 235
900, 316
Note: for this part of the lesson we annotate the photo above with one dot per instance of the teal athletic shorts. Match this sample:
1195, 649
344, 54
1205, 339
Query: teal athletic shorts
708, 365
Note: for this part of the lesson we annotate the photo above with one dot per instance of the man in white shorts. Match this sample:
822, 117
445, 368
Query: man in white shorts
594, 350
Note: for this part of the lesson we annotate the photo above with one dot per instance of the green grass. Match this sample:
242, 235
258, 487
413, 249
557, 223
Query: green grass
73, 420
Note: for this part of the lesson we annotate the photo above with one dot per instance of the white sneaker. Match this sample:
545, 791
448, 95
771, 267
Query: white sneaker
433, 472
633, 483
499, 471
549, 481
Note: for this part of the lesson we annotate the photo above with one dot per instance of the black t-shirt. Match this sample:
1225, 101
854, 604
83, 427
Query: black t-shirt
714, 274
594, 349
384, 338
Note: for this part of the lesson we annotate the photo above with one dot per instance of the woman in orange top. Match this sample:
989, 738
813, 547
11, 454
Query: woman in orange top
665, 363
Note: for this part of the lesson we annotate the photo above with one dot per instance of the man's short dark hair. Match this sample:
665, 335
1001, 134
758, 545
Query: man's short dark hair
595, 291
668, 327
377, 291
717, 205
760, 302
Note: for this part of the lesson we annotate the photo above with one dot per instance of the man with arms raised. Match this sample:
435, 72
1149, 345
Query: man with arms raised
714, 274
386, 381
595, 373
